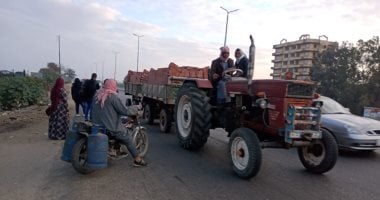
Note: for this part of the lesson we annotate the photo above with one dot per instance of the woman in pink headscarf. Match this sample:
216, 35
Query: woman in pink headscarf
59, 117
108, 110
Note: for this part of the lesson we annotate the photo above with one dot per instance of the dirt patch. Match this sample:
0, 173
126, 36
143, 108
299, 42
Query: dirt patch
18, 119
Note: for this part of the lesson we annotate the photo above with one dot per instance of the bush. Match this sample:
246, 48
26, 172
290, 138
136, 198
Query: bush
16, 92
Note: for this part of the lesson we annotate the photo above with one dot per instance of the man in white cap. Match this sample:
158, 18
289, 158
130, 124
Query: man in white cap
217, 68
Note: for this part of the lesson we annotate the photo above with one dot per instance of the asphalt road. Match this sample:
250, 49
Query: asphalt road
30, 168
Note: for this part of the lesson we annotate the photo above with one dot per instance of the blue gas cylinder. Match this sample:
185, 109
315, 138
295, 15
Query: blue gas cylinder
71, 138
97, 146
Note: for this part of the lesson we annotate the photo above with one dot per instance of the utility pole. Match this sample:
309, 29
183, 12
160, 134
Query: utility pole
138, 48
59, 53
114, 73
102, 71
228, 13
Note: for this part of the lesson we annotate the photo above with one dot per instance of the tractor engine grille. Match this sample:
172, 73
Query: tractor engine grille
300, 90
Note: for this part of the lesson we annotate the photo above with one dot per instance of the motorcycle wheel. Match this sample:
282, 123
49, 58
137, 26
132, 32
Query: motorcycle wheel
79, 157
141, 141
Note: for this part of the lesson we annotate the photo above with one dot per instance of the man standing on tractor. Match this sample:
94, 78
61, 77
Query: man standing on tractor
216, 74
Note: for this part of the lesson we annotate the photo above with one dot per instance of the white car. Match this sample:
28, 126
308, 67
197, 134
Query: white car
350, 131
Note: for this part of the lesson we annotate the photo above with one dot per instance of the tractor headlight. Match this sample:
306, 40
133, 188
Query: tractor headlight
262, 103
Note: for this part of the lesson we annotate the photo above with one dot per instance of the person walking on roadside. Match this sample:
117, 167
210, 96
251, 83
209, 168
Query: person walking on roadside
241, 62
88, 91
217, 68
75, 94
108, 110
59, 115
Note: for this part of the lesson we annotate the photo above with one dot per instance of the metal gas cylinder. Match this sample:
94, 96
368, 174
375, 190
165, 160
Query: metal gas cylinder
97, 148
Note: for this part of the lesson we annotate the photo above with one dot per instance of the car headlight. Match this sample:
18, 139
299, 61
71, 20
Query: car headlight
318, 104
351, 129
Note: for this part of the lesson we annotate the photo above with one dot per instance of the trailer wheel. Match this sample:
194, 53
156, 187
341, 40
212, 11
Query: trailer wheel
165, 121
321, 155
245, 152
148, 115
193, 117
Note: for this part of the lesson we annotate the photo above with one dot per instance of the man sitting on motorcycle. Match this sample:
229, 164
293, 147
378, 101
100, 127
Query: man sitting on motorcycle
107, 111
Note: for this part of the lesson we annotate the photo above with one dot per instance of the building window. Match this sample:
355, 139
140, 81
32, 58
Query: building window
297, 62
294, 47
298, 54
305, 70
285, 55
315, 46
286, 48
285, 62
292, 62
292, 55
298, 46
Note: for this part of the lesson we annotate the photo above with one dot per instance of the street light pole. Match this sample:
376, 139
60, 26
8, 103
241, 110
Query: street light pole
59, 53
138, 49
102, 70
228, 13
114, 73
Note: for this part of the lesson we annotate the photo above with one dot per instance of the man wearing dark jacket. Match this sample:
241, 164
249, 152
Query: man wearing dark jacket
75, 94
88, 93
217, 68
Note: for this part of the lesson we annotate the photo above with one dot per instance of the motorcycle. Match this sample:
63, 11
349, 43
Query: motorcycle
115, 151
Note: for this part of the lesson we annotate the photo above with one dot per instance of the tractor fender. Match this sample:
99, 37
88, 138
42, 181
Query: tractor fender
200, 83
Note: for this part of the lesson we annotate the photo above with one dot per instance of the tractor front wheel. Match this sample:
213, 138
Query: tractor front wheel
245, 152
321, 155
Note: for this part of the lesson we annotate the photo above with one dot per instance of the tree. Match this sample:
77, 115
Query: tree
53, 67
350, 74
69, 73
50, 73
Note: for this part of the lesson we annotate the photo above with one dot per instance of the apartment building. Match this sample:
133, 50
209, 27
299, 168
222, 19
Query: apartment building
297, 56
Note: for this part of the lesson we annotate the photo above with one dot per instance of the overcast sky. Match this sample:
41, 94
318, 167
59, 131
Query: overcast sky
187, 32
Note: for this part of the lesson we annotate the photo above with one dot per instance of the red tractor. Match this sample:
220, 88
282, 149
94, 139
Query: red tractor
259, 114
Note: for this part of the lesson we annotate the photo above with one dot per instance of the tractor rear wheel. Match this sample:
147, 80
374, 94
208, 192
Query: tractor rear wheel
321, 155
192, 117
245, 153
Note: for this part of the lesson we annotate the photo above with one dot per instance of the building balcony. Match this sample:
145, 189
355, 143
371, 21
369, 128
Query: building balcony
276, 61
275, 74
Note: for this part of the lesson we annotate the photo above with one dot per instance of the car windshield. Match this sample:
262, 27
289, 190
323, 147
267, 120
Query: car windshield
332, 107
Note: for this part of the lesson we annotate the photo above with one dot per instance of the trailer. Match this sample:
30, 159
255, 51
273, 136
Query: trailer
157, 90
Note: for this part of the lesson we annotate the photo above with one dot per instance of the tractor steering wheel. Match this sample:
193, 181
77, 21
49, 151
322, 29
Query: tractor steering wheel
233, 72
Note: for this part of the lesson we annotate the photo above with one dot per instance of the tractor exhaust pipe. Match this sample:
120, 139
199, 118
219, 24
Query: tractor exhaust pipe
251, 66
